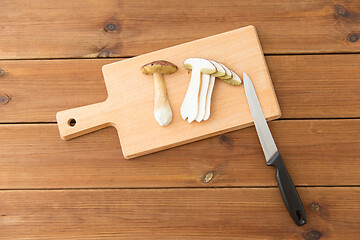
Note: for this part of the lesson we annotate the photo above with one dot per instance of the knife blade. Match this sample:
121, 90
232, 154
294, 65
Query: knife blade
272, 155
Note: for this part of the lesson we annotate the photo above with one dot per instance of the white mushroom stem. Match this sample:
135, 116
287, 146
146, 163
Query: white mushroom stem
205, 80
208, 97
189, 108
162, 109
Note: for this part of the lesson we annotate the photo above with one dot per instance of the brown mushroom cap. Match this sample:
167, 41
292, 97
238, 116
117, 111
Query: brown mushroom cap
160, 66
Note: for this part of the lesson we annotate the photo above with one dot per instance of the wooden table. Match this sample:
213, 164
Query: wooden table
219, 188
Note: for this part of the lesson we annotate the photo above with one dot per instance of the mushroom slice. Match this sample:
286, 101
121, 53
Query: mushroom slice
228, 74
205, 87
205, 80
235, 80
189, 107
208, 97
220, 71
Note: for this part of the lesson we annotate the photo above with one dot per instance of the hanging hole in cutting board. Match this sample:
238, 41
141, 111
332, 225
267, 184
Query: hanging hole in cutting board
72, 122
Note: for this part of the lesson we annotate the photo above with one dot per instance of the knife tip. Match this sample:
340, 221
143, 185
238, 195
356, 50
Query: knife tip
245, 76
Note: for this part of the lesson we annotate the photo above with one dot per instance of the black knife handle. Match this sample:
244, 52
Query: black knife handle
288, 191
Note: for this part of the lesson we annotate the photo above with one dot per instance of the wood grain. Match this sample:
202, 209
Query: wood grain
130, 103
332, 213
316, 152
90, 28
38, 89
324, 86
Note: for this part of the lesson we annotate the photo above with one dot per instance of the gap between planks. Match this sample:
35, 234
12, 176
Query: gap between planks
174, 188
281, 119
125, 57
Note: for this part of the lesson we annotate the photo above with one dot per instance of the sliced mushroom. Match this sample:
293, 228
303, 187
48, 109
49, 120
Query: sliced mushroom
189, 108
235, 80
208, 98
220, 71
162, 109
198, 96
205, 95
228, 74
205, 80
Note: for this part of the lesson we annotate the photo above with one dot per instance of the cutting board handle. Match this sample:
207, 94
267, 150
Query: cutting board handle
79, 121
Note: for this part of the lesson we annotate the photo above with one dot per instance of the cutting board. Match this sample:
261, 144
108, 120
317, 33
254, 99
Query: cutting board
129, 106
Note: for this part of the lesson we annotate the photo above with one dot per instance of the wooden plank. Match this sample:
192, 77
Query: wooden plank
317, 86
131, 94
332, 213
316, 152
36, 90
90, 28
324, 86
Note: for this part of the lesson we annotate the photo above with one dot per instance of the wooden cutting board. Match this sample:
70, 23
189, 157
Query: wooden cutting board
129, 106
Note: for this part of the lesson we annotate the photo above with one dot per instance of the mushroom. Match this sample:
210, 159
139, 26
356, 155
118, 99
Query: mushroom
208, 98
220, 71
230, 77
205, 81
233, 80
228, 74
197, 101
162, 109
189, 108
207, 86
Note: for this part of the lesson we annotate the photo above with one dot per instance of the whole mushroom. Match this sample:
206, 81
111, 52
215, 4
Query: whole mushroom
162, 109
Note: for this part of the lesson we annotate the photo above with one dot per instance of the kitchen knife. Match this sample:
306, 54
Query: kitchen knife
273, 158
